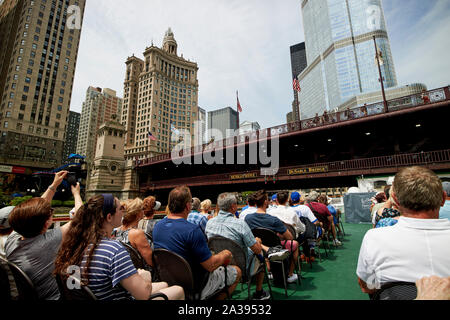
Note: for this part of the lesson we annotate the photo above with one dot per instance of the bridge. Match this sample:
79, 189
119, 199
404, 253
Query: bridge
327, 151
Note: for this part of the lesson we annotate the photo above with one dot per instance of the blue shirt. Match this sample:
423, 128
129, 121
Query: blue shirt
444, 213
198, 219
260, 220
110, 264
227, 226
185, 239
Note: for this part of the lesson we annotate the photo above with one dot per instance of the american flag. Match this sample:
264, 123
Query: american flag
151, 137
296, 84
238, 104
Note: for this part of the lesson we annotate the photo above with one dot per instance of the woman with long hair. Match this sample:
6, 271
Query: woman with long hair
129, 233
106, 266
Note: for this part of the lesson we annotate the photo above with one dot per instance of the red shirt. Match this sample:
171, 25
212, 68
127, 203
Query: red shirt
320, 211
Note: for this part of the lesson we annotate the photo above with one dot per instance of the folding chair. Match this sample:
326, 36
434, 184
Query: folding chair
81, 292
175, 270
5, 288
299, 261
25, 286
218, 244
396, 291
270, 239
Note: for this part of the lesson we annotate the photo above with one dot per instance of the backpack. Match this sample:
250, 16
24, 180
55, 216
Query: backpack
311, 230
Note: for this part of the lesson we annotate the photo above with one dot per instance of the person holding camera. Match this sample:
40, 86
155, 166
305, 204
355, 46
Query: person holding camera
33, 245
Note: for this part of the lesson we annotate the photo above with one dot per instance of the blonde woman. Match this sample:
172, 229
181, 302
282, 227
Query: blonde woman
205, 207
129, 233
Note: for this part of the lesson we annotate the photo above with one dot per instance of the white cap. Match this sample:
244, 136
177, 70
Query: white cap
157, 205
4, 216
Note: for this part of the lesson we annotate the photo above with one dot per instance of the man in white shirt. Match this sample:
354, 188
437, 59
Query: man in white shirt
417, 246
251, 208
288, 216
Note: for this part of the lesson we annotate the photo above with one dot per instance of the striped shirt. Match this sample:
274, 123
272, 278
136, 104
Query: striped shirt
110, 264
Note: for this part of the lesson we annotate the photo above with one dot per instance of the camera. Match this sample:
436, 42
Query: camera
72, 178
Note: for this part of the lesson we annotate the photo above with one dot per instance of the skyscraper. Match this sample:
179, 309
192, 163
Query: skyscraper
341, 53
159, 92
38, 56
70, 145
200, 131
298, 64
98, 108
222, 120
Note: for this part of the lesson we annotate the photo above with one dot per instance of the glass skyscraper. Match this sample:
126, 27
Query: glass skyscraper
341, 53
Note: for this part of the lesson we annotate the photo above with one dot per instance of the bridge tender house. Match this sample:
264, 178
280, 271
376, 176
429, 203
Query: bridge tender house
297, 171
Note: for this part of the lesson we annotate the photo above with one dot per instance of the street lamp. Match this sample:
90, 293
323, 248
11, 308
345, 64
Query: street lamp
379, 63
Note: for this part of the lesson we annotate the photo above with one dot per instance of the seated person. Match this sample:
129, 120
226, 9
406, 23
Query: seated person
260, 219
129, 233
250, 209
195, 216
323, 214
444, 212
226, 225
205, 208
176, 234
415, 247
388, 214
105, 263
150, 205
33, 246
5, 228
304, 212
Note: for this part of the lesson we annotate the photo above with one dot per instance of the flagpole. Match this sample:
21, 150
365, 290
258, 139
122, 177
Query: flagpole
237, 124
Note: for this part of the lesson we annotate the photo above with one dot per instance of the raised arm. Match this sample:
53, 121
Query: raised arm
78, 203
50, 192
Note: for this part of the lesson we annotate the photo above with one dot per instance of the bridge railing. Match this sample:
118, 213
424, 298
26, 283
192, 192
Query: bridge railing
434, 96
399, 160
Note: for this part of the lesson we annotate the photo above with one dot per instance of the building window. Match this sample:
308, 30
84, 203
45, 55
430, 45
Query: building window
5, 125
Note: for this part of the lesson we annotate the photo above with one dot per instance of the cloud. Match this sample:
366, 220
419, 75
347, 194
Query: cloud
238, 46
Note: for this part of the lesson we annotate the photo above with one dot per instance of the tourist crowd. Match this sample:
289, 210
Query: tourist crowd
105, 235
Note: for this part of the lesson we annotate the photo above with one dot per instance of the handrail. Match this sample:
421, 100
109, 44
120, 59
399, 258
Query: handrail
398, 160
414, 100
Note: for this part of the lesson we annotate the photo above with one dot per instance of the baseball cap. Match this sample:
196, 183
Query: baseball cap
157, 205
4, 216
274, 197
295, 196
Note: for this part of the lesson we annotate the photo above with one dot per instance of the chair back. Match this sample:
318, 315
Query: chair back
396, 291
268, 237
148, 236
136, 258
78, 292
175, 270
291, 230
5, 289
218, 244
24, 285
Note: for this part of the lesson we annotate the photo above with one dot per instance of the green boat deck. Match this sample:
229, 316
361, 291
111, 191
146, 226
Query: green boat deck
332, 279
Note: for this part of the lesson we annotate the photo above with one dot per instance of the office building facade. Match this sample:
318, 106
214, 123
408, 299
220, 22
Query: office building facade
341, 53
298, 64
160, 91
200, 131
223, 122
100, 106
70, 144
38, 57
248, 127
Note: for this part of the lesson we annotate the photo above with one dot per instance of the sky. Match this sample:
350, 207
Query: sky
244, 45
